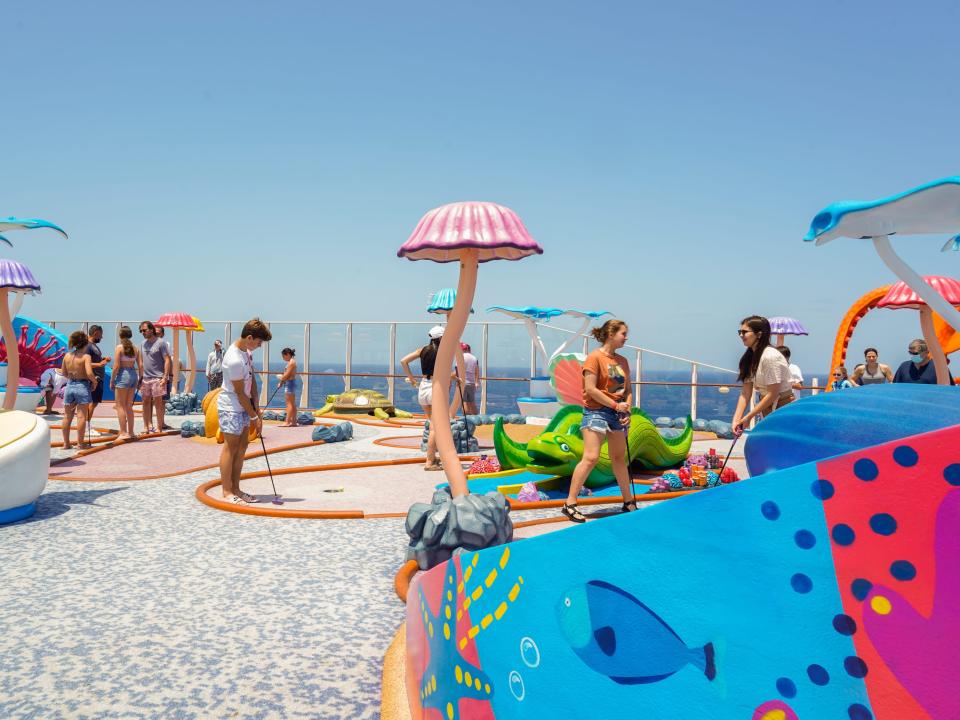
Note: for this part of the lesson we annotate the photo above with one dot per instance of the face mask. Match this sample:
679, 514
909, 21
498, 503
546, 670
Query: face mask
916, 359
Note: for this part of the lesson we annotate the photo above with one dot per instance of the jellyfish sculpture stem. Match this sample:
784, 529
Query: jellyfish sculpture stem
13, 354
440, 412
933, 345
916, 283
175, 373
193, 363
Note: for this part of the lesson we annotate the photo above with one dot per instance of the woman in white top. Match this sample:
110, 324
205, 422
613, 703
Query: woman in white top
762, 369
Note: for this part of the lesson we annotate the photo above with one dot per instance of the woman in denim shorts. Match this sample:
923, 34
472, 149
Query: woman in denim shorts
607, 396
77, 395
288, 379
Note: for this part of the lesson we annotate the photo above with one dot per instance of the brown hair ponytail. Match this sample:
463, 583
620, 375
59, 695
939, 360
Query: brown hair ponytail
609, 328
125, 334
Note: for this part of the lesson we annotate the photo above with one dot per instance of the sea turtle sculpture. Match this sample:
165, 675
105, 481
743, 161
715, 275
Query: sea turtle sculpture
368, 402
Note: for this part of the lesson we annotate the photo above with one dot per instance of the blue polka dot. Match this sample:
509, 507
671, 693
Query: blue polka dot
855, 667
801, 583
843, 534
805, 539
903, 570
951, 473
883, 524
865, 469
786, 687
844, 624
818, 674
860, 588
770, 510
859, 712
822, 489
905, 456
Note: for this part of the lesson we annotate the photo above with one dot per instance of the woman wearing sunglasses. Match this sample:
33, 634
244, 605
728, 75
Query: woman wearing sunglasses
762, 369
841, 381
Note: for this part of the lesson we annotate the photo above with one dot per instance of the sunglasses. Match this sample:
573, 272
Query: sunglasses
741, 333
912, 352
838, 374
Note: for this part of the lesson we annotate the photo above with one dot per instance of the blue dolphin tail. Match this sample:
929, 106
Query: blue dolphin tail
3, 239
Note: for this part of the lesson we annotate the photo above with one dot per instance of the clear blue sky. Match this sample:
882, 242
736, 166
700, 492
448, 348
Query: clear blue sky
253, 158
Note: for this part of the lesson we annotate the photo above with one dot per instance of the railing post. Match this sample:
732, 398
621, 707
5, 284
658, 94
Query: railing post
638, 374
586, 345
693, 391
484, 341
266, 372
348, 365
305, 387
533, 358
227, 335
815, 384
392, 367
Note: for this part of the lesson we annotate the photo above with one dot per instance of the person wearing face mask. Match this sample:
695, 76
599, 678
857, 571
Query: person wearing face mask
919, 368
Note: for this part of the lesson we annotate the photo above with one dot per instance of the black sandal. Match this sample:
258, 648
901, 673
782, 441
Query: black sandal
573, 513
629, 506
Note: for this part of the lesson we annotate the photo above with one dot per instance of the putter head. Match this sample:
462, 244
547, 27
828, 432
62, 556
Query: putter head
276, 500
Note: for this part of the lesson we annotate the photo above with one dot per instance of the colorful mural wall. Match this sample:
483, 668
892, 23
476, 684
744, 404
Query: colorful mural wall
826, 590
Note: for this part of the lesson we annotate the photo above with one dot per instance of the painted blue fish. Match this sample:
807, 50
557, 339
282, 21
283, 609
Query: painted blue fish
618, 636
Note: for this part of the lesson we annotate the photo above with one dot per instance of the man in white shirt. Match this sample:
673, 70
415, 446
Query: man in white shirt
796, 377
215, 366
471, 368
236, 408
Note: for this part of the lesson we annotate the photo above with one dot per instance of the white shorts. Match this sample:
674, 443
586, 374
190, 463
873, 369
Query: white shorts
425, 392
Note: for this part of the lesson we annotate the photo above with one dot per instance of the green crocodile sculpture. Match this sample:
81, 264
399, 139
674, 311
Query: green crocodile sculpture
558, 449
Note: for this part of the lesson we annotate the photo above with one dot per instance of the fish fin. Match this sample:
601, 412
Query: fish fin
640, 680
710, 656
606, 638
614, 588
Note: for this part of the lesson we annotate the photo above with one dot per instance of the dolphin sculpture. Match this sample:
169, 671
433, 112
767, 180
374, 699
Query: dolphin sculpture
12, 223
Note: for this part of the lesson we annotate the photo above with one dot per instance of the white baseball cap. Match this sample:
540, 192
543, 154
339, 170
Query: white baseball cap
436, 332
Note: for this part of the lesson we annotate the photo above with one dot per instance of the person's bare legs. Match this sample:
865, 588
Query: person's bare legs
131, 415
68, 411
431, 459
146, 407
617, 447
592, 440
234, 446
291, 409
82, 410
120, 407
238, 459
160, 405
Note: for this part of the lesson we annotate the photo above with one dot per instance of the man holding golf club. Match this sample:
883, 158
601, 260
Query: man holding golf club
236, 408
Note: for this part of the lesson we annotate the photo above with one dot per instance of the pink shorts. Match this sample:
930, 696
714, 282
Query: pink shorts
153, 388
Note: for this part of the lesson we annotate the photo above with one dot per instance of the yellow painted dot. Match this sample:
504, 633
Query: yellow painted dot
468, 678
504, 558
475, 558
450, 711
449, 596
450, 579
463, 643
472, 632
485, 623
880, 605
476, 683
776, 714
446, 631
433, 683
430, 629
486, 689
446, 612
501, 609
477, 592
459, 674
491, 577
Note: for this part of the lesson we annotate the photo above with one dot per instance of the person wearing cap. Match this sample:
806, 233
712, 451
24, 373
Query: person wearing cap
471, 371
428, 358
215, 366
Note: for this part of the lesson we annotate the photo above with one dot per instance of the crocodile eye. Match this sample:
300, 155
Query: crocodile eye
566, 601
564, 447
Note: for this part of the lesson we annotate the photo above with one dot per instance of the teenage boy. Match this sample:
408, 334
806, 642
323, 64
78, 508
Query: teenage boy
236, 408
157, 368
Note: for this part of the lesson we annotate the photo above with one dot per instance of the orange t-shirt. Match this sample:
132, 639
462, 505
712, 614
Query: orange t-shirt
613, 374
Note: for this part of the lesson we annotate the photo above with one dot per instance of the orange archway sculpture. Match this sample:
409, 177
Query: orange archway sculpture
948, 337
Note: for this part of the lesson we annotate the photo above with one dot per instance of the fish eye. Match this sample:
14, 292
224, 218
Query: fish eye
566, 601
564, 447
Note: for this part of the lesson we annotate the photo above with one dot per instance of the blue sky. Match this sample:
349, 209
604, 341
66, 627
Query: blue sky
231, 160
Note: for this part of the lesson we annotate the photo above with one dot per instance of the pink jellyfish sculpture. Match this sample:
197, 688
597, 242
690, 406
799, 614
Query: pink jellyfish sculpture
15, 278
902, 296
469, 233
177, 321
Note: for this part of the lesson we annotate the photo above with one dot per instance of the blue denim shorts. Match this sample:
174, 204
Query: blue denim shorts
603, 420
77, 392
290, 387
233, 423
125, 378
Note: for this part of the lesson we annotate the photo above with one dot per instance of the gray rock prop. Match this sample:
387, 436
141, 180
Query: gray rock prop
183, 404
189, 428
721, 429
513, 419
663, 421
335, 433
303, 418
471, 522
462, 431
